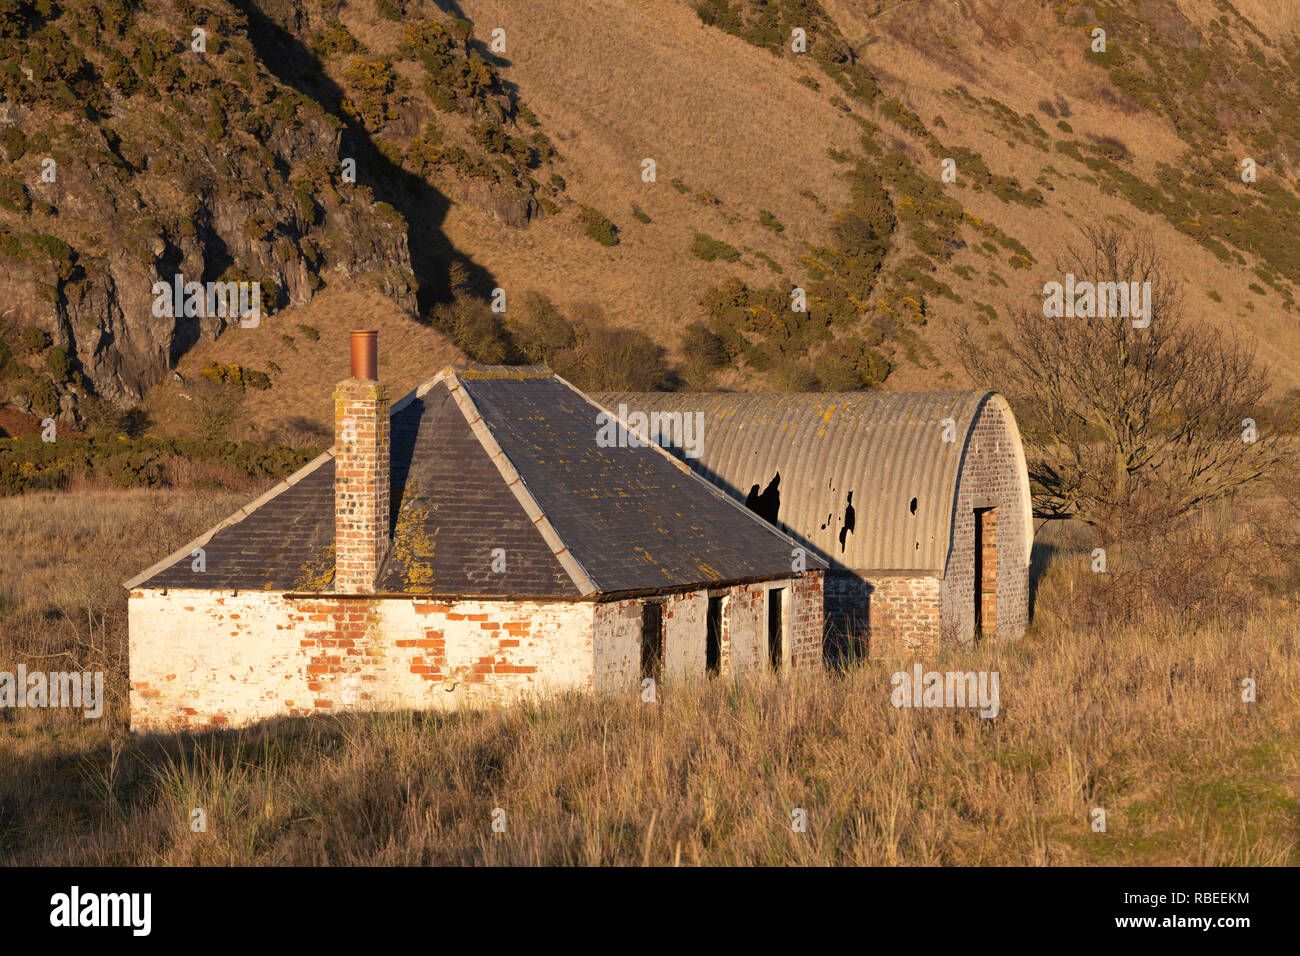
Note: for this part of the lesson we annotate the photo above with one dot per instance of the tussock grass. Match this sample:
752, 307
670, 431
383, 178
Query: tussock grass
1144, 720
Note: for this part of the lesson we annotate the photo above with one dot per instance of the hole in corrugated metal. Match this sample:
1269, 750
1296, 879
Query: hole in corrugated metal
850, 521
913, 506
766, 504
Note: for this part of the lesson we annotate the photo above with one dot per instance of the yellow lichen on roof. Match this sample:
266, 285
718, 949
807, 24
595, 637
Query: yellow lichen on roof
413, 548
318, 573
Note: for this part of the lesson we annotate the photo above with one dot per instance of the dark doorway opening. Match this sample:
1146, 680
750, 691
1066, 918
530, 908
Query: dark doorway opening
713, 637
776, 627
652, 640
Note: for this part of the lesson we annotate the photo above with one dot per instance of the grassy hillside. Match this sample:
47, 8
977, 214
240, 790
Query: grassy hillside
310, 349
502, 146
1046, 135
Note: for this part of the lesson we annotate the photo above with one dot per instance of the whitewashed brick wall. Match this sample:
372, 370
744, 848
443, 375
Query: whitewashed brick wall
221, 658
213, 658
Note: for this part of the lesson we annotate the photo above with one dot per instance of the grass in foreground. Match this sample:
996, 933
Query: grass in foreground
1145, 721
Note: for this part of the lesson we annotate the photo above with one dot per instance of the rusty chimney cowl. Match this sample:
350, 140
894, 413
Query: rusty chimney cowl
365, 356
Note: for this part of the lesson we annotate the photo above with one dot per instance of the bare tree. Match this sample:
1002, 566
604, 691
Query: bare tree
1126, 424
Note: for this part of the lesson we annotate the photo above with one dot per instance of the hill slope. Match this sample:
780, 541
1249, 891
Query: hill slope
500, 158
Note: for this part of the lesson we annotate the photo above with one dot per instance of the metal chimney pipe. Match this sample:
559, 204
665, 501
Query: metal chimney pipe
365, 356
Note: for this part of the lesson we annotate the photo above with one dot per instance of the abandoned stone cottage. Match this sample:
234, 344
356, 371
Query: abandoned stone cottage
918, 502
473, 543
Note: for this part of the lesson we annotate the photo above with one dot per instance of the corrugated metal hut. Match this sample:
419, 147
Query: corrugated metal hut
919, 502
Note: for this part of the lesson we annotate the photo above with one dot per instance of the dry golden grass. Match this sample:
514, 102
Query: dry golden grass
65, 557
616, 81
1145, 721
1026, 59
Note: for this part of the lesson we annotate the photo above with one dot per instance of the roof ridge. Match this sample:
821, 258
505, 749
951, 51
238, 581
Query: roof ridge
515, 482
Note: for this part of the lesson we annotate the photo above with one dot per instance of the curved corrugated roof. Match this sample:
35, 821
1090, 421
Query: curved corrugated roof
885, 448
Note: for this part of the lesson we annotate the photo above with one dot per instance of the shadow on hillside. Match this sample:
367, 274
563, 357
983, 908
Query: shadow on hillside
422, 206
453, 9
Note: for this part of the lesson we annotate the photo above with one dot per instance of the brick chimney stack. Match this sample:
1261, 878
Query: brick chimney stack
361, 471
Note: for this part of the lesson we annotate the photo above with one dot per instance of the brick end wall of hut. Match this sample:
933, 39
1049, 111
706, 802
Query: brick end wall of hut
992, 482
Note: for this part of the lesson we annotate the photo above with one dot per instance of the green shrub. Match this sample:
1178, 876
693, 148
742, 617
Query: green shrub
34, 340
789, 374
13, 142
306, 202
259, 227
702, 353
58, 364
310, 333
44, 397
710, 249
850, 364
639, 214
13, 195
335, 38
598, 227
765, 218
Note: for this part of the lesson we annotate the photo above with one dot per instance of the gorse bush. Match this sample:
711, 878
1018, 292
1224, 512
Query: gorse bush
850, 364
34, 339
769, 24
703, 353
30, 464
235, 376
598, 227
371, 83
58, 364
710, 250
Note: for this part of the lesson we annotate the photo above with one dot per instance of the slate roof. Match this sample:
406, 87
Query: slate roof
500, 457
